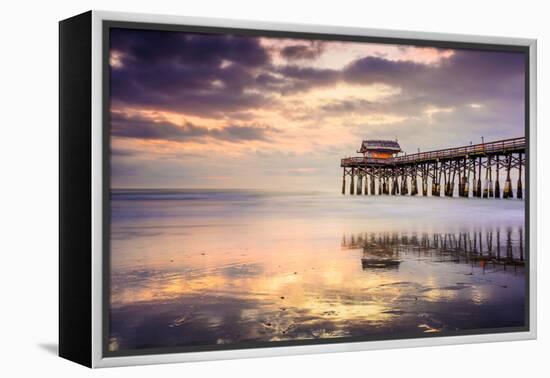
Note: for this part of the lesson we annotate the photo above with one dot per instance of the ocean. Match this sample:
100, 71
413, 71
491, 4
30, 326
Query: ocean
192, 268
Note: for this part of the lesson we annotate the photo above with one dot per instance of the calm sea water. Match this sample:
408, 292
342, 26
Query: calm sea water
193, 268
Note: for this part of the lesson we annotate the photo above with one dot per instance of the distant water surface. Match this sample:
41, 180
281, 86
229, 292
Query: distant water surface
206, 267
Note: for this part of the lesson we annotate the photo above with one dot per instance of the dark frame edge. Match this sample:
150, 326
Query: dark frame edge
75, 192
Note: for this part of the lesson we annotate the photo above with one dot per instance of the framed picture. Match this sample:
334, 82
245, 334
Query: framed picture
234, 189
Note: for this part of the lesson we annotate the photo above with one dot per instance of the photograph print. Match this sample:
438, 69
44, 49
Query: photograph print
273, 189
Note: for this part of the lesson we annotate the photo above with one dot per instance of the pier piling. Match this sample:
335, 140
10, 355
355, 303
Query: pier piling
486, 184
474, 181
508, 183
489, 167
519, 186
344, 182
465, 179
497, 183
478, 185
404, 185
351, 184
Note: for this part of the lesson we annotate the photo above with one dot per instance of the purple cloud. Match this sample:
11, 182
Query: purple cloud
139, 127
225, 77
303, 52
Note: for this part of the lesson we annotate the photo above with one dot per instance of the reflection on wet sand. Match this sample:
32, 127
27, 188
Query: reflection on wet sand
384, 250
372, 284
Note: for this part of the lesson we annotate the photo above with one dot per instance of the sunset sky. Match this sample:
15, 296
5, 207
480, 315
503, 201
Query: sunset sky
218, 111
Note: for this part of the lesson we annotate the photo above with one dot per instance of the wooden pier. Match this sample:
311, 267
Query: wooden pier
468, 171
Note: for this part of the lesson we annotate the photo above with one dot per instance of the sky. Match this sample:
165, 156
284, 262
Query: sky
192, 110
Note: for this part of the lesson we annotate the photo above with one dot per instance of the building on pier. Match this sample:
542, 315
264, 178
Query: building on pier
379, 149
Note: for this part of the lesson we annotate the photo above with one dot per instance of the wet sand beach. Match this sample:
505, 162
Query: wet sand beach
196, 268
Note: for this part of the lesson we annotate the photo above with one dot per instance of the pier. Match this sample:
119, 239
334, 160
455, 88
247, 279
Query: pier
468, 171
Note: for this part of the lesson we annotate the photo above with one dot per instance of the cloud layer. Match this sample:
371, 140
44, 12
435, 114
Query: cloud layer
257, 99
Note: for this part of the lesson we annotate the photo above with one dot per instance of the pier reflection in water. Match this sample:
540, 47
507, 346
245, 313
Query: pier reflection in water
483, 249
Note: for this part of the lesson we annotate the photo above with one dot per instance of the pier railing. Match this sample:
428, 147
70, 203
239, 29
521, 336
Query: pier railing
361, 159
501, 146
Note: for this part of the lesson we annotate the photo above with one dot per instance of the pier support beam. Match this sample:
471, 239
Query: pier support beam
488, 187
465, 189
351, 183
359, 184
519, 186
436, 186
490, 167
404, 185
398, 189
424, 180
474, 180
372, 186
344, 182
425, 185
486, 184
414, 185
452, 185
436, 189
478, 185
399, 185
497, 184
460, 181
508, 183
447, 182
463, 192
